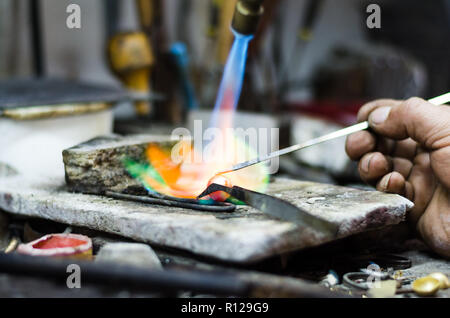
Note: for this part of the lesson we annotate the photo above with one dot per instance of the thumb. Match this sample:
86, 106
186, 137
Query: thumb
425, 123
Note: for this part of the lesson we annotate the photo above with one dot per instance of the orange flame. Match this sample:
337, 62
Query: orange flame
187, 178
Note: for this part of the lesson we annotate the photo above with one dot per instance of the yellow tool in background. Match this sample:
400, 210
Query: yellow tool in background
131, 59
146, 13
131, 56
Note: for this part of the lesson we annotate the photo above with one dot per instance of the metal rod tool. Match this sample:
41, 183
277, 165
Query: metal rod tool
440, 100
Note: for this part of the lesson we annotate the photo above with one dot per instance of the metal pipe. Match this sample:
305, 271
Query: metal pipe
166, 282
247, 15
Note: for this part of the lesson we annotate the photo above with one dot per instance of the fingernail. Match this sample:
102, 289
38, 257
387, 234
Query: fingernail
366, 164
385, 182
380, 115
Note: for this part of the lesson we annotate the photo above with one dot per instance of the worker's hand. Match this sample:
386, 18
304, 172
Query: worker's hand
409, 154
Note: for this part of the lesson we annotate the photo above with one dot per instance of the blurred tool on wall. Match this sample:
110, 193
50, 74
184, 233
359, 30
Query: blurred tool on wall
304, 35
163, 78
181, 60
179, 50
21, 44
36, 38
131, 56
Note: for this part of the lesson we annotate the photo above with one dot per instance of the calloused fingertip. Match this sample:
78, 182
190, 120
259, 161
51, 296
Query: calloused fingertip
375, 165
364, 164
392, 183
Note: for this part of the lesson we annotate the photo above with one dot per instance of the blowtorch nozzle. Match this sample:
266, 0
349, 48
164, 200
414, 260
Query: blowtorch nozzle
246, 16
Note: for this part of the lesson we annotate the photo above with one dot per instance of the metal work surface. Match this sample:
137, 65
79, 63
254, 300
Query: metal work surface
246, 235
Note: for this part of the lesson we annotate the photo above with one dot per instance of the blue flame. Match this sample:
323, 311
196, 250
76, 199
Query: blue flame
233, 77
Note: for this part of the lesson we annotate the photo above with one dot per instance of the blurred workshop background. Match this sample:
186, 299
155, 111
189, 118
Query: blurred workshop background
311, 65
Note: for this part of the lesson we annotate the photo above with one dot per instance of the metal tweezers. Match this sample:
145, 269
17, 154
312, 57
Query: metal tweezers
276, 207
